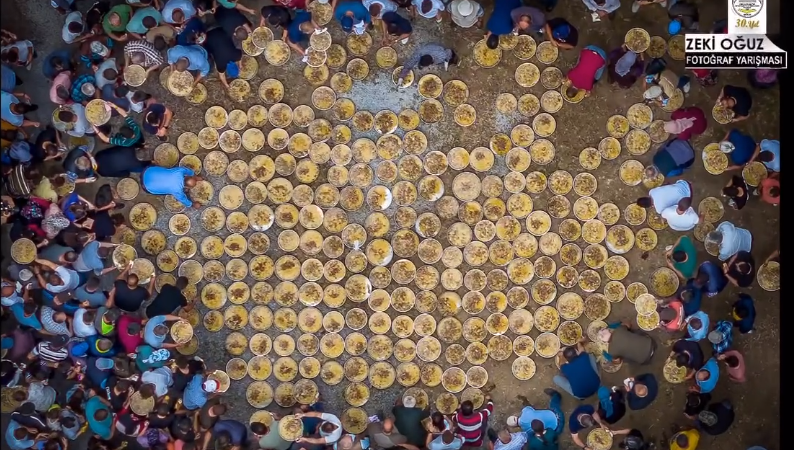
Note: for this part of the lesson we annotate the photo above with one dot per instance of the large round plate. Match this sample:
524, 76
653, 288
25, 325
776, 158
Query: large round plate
486, 57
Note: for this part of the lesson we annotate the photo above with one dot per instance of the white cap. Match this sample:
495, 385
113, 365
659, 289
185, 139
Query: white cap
464, 7
210, 386
409, 401
512, 421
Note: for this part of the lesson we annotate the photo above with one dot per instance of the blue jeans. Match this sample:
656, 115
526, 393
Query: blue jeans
565, 385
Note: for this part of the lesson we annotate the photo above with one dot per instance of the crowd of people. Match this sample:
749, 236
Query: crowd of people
79, 359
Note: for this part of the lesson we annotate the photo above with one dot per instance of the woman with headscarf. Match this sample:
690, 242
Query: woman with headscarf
611, 405
685, 123
625, 67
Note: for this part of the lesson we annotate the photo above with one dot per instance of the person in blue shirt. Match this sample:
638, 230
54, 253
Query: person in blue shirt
547, 417
743, 313
578, 376
192, 58
690, 296
156, 329
174, 181
542, 435
768, 152
353, 16
710, 278
743, 148
99, 417
57, 62
25, 314
297, 33
193, 32
697, 326
18, 437
706, 378
501, 21
143, 20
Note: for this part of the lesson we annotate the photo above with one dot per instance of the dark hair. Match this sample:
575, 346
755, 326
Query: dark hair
682, 441
732, 361
682, 360
75, 27
146, 390
223, 438
182, 361
730, 191
89, 317
569, 353
160, 43
123, 385
121, 90
679, 256
392, 28
571, 91
437, 418
327, 427
454, 59
62, 93
11, 56
178, 15
258, 427
65, 116
25, 108
127, 132
29, 308
140, 96
766, 156
118, 219
685, 203
537, 426
241, 33
110, 74
741, 311
133, 328
696, 323
21, 433
149, 22
273, 20
163, 409
645, 202
101, 414
774, 191
68, 421
425, 60
152, 119
492, 42
467, 408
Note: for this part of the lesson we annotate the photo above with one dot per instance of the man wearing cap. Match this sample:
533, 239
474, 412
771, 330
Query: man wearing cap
529, 414
198, 391
174, 181
352, 15
721, 337
408, 420
561, 33
156, 330
466, 13
225, 49
192, 58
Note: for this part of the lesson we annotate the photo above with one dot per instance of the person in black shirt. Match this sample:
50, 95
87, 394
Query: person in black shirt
161, 418
688, 354
128, 295
183, 373
738, 100
611, 407
737, 192
276, 16
561, 33
695, 403
182, 429
717, 418
740, 269
634, 441
120, 390
234, 23
169, 299
642, 391
48, 146
210, 413
222, 49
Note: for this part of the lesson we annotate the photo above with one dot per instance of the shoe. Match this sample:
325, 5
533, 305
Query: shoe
551, 392
492, 435
635, 7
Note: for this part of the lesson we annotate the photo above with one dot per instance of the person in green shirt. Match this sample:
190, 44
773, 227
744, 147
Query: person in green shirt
268, 436
542, 438
115, 22
682, 257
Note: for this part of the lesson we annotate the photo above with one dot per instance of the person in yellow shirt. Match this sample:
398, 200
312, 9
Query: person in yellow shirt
685, 440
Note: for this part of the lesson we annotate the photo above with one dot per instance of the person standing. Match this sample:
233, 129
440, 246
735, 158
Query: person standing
466, 13
471, 424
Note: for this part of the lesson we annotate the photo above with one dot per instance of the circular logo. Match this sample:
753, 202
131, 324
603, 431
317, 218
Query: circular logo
747, 8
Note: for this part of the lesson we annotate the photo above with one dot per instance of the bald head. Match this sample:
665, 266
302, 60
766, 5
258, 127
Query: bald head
346, 442
190, 182
388, 426
641, 390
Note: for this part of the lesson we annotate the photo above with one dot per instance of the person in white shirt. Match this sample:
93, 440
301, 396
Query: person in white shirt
60, 280
73, 27
83, 323
663, 197
466, 13
429, 9
681, 217
377, 8
330, 429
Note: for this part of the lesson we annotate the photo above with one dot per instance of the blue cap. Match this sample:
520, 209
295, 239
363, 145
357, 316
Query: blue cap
104, 363
232, 70
674, 27
561, 31
347, 24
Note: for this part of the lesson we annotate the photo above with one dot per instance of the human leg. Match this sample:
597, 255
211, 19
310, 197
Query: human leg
563, 384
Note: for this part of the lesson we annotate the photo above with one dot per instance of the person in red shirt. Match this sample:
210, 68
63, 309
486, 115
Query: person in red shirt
470, 424
687, 123
671, 317
129, 333
769, 190
588, 70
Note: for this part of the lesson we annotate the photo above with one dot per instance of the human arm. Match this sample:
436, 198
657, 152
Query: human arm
739, 118
102, 136
224, 81
774, 255
150, 288
599, 420
577, 440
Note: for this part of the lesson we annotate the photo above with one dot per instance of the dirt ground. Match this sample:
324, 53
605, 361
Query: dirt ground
578, 126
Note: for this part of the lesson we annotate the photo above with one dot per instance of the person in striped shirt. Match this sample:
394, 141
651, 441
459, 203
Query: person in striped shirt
471, 425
